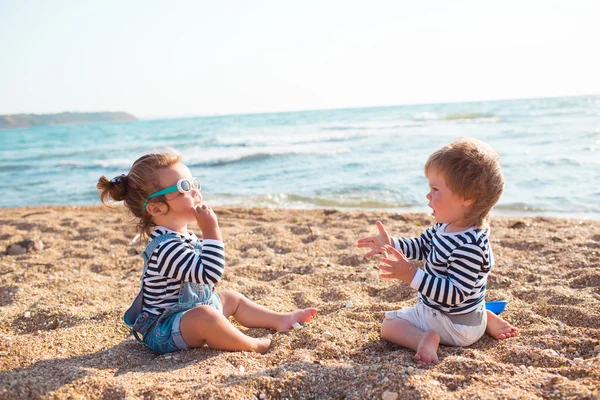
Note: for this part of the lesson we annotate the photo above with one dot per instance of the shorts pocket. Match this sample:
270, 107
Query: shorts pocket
160, 339
143, 323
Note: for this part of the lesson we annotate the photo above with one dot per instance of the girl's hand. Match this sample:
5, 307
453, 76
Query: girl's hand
207, 221
398, 268
377, 243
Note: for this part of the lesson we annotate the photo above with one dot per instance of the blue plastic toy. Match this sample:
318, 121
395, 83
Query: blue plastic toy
496, 306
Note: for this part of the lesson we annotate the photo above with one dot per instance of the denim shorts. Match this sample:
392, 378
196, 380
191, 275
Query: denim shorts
165, 334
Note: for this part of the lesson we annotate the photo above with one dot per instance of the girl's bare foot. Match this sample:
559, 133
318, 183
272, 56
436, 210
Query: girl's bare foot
499, 328
300, 316
427, 349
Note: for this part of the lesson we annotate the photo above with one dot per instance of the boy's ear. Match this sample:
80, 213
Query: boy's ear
155, 209
468, 202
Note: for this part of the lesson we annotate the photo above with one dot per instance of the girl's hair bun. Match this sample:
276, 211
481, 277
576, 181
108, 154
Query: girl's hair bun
114, 189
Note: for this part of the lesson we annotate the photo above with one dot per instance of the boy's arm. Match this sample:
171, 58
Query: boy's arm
465, 266
415, 248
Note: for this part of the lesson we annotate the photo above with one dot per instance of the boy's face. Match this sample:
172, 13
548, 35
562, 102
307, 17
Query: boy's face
448, 208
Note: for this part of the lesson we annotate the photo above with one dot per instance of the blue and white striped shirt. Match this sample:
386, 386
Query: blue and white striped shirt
174, 261
454, 277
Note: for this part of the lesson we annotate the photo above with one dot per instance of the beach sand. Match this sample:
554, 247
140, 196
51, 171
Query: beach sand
61, 334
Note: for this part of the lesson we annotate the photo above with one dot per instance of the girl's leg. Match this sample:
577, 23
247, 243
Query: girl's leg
405, 334
206, 325
252, 315
499, 328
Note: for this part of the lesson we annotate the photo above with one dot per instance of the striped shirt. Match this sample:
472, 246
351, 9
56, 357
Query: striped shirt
454, 277
174, 261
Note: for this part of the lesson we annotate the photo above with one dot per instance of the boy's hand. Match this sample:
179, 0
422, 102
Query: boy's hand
377, 243
207, 222
398, 268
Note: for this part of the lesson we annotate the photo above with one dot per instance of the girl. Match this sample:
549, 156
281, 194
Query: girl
177, 307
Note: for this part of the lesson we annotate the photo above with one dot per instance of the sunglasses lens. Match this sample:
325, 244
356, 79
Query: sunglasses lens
185, 185
196, 183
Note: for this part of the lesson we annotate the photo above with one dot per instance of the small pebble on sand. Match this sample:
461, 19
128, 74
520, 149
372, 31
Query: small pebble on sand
387, 395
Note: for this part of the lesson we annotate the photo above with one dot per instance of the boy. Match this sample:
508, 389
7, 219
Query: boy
465, 182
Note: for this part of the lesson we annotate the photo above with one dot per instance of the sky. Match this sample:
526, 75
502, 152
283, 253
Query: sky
159, 59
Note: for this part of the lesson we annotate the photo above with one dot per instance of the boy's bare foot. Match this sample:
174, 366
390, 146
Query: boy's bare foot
263, 346
499, 328
300, 316
427, 349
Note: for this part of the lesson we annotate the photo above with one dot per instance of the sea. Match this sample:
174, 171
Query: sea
358, 158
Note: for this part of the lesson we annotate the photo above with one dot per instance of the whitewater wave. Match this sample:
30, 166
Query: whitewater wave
203, 157
219, 156
300, 138
289, 200
368, 126
111, 163
455, 118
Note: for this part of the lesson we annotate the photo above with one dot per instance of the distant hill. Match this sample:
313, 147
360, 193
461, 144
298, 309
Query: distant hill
27, 120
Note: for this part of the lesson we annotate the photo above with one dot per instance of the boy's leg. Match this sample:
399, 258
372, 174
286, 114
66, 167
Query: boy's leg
405, 334
499, 328
252, 315
206, 325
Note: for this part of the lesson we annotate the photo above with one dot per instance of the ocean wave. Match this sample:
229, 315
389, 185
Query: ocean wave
467, 116
210, 156
369, 126
40, 155
219, 157
67, 163
435, 118
347, 202
289, 200
519, 207
14, 167
568, 162
110, 163
426, 116
300, 138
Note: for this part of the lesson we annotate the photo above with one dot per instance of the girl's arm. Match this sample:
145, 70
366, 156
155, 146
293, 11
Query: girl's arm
176, 260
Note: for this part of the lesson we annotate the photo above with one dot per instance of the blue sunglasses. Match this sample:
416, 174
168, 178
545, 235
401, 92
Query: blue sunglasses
182, 186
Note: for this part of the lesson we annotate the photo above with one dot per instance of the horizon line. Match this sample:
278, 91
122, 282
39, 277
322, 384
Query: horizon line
156, 118
228, 114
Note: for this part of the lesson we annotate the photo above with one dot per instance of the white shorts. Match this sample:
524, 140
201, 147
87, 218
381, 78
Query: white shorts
451, 334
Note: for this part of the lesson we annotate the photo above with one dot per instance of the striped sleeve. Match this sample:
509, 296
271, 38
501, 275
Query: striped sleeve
465, 265
176, 260
415, 248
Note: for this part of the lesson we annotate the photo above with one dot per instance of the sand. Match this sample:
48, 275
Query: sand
61, 334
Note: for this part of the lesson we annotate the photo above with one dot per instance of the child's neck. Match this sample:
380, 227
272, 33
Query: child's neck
456, 226
173, 225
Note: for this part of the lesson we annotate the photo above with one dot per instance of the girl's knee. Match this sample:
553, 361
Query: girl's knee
230, 300
201, 315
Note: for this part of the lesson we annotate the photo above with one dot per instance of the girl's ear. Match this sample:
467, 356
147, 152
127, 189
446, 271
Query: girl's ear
156, 209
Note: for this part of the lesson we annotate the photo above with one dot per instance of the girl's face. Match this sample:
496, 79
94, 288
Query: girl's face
448, 208
180, 204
